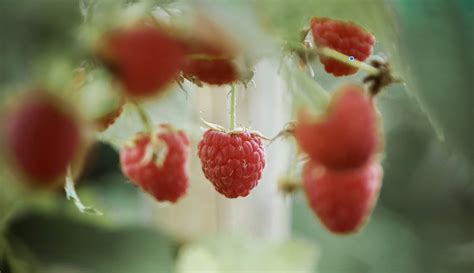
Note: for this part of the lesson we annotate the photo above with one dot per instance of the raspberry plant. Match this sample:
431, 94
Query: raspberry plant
139, 56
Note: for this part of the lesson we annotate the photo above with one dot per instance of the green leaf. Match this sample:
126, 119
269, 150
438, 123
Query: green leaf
442, 69
56, 242
306, 90
31, 30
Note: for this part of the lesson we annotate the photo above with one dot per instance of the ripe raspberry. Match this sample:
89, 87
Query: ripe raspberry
211, 71
345, 37
144, 59
42, 137
233, 162
347, 136
167, 181
208, 63
342, 199
210, 53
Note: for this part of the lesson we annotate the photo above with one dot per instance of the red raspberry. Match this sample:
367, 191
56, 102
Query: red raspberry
211, 71
233, 162
167, 181
209, 63
43, 138
210, 53
342, 199
345, 37
144, 59
347, 136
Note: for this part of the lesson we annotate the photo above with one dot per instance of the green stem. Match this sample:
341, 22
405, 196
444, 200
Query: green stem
232, 108
329, 52
144, 118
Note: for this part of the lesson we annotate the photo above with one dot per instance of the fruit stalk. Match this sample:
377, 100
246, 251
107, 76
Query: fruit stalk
329, 52
144, 118
232, 108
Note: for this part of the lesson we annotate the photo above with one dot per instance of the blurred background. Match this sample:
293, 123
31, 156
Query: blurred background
423, 221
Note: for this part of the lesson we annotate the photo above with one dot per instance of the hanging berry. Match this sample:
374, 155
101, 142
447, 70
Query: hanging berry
346, 136
343, 200
344, 37
42, 136
232, 161
144, 59
211, 54
159, 165
210, 69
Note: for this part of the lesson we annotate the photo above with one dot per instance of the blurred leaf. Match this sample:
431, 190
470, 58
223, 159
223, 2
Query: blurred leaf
306, 91
11, 192
386, 244
236, 254
59, 242
119, 200
442, 69
31, 29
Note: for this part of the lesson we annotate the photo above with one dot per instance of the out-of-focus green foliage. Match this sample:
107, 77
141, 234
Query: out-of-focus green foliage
58, 244
423, 223
437, 39
31, 30
237, 254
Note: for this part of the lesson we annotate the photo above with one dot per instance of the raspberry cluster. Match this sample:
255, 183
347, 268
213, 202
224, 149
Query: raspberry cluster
343, 177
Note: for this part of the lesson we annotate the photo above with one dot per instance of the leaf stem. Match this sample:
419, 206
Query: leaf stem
232, 121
